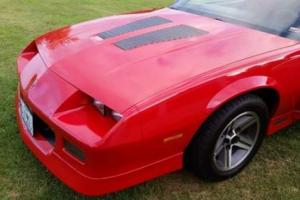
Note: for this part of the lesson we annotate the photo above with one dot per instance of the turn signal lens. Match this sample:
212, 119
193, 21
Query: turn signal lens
74, 151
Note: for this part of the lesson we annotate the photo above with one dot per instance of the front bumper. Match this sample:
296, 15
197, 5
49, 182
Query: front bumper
71, 173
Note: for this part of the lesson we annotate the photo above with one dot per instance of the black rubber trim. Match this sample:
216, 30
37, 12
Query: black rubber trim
40, 127
163, 35
134, 26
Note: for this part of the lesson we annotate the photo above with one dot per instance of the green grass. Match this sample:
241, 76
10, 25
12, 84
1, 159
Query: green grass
274, 174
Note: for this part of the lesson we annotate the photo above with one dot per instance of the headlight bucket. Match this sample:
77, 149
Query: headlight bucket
106, 111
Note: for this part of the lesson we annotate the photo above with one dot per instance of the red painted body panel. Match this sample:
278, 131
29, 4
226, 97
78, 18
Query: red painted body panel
164, 91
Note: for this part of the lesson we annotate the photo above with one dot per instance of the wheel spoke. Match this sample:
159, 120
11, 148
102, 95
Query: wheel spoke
242, 146
227, 130
246, 122
219, 149
243, 139
227, 157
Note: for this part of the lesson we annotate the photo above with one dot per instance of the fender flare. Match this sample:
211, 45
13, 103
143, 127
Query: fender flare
244, 86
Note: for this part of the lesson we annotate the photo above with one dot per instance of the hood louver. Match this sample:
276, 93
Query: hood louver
163, 35
134, 26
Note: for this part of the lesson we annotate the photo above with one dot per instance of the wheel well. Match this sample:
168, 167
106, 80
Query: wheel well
270, 97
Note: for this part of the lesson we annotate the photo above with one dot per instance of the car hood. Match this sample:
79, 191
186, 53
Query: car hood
123, 77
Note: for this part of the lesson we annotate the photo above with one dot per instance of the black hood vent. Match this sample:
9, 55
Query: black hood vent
163, 35
134, 26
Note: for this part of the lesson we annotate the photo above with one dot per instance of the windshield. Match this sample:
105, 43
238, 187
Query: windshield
272, 16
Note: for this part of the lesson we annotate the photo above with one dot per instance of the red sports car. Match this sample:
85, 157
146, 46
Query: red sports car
113, 102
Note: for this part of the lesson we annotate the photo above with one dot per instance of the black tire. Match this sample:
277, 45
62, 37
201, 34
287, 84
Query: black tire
199, 156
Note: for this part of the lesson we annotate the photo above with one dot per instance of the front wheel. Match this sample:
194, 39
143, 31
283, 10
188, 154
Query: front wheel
228, 141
